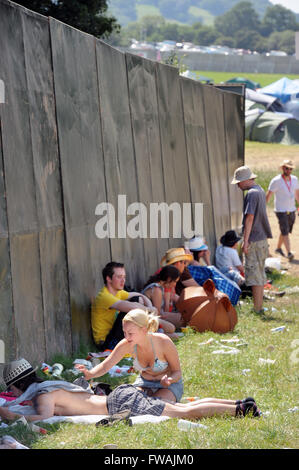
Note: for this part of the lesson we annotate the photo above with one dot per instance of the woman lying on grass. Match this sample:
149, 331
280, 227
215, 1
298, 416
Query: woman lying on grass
61, 398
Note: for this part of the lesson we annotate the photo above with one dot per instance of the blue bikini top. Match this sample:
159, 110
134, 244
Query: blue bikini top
159, 366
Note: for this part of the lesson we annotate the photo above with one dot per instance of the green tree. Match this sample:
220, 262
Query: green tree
247, 39
206, 36
278, 18
239, 17
225, 41
282, 41
89, 16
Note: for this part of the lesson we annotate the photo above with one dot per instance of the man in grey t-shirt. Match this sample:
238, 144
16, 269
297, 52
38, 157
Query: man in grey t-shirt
256, 231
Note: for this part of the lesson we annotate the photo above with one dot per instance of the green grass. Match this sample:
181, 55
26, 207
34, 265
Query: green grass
263, 79
275, 388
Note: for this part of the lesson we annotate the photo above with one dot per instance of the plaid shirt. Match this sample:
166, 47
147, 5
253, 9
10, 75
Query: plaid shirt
201, 273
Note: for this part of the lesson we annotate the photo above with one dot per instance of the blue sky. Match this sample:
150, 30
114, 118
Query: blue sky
290, 4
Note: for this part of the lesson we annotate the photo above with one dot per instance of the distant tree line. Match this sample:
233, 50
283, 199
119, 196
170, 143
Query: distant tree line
179, 10
240, 27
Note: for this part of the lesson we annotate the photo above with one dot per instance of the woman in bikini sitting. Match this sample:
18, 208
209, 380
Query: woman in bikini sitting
155, 357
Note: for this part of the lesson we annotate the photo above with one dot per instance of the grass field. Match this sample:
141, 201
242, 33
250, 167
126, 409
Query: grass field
275, 386
263, 79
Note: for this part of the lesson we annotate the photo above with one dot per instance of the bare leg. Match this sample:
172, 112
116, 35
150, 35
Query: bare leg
284, 240
211, 400
202, 410
168, 327
258, 294
165, 394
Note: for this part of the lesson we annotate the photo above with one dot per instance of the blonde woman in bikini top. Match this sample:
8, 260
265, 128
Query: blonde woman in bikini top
155, 357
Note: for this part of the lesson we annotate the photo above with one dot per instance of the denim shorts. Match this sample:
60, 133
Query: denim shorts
177, 388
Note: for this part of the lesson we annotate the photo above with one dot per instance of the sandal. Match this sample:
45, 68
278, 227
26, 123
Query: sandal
116, 418
246, 408
245, 400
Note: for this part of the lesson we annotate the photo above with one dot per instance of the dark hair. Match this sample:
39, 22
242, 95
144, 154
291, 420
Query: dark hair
109, 270
195, 254
168, 272
24, 383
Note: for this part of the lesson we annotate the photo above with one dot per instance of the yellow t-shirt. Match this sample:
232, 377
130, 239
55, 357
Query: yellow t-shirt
102, 316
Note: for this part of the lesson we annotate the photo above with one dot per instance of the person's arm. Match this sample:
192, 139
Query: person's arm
172, 357
126, 306
190, 282
157, 298
120, 350
297, 195
247, 230
147, 301
269, 194
45, 409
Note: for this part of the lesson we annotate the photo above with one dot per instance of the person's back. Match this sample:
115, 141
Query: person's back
255, 203
226, 258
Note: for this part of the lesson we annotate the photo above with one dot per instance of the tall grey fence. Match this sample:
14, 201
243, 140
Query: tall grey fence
255, 63
81, 125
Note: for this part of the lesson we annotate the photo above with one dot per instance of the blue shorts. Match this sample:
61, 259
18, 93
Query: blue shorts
176, 388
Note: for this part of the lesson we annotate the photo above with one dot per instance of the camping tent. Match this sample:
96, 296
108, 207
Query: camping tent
249, 83
284, 89
293, 108
271, 127
260, 100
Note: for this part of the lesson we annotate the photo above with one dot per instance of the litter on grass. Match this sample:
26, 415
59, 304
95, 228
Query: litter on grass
292, 290
266, 361
293, 410
279, 328
209, 341
185, 425
226, 351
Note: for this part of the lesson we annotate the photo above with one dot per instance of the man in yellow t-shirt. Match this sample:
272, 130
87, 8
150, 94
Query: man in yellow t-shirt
110, 306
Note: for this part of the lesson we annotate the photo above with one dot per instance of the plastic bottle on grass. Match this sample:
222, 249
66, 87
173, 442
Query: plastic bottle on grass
185, 425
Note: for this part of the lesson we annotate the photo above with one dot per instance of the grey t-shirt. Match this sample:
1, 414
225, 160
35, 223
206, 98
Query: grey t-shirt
255, 203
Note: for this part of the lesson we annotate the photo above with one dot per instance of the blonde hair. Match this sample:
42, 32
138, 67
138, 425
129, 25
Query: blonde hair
143, 318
